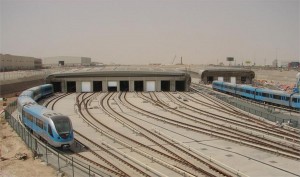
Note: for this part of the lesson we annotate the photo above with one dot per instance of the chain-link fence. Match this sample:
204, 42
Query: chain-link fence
63, 163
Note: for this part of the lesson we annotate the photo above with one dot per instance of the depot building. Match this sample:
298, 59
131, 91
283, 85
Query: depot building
120, 79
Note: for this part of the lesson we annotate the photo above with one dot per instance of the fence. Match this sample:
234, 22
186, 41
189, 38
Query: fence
266, 115
66, 164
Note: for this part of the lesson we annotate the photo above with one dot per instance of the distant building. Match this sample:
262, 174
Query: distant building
233, 75
13, 62
66, 61
294, 64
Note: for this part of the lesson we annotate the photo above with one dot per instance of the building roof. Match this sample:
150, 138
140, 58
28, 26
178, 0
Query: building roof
119, 71
241, 71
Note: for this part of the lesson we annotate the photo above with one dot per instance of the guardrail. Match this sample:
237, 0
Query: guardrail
64, 164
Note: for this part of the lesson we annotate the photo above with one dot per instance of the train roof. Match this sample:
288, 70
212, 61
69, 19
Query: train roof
246, 86
25, 100
276, 92
229, 83
28, 93
38, 110
296, 95
218, 82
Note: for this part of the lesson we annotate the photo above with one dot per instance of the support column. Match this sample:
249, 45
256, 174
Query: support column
104, 85
78, 86
172, 85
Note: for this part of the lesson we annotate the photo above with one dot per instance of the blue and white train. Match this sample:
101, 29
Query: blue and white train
54, 128
259, 94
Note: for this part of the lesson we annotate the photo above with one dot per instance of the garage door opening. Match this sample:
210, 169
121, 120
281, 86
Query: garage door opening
150, 86
86, 87
124, 86
138, 86
221, 79
97, 86
233, 80
243, 80
180, 86
71, 86
56, 86
210, 79
112, 86
165, 86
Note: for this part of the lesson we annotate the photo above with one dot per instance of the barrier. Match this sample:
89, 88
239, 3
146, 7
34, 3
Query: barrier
64, 164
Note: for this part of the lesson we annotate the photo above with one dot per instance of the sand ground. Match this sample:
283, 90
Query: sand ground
11, 144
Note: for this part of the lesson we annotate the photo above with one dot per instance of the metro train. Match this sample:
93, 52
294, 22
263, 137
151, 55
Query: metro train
259, 94
54, 128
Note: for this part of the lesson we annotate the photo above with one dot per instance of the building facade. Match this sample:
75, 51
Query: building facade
66, 61
119, 79
13, 62
233, 75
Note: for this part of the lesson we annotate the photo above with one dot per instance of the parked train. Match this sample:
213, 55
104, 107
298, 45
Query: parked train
259, 94
54, 128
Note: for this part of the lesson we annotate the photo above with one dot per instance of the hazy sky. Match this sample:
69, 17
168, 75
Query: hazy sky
145, 31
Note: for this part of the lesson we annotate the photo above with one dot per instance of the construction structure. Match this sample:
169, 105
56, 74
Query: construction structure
13, 63
233, 75
120, 78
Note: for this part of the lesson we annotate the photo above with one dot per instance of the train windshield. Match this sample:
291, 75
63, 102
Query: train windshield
62, 124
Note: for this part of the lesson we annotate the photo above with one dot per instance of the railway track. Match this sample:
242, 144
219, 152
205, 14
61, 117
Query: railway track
231, 135
160, 140
152, 145
286, 132
110, 157
245, 122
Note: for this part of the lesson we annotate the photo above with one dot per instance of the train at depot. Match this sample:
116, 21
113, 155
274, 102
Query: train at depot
48, 125
259, 94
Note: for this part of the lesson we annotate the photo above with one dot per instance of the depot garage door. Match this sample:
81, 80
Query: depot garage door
233, 80
112, 86
86, 87
150, 86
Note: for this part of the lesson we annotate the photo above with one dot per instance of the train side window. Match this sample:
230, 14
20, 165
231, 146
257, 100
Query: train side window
277, 97
39, 123
50, 130
265, 94
295, 100
247, 91
287, 98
